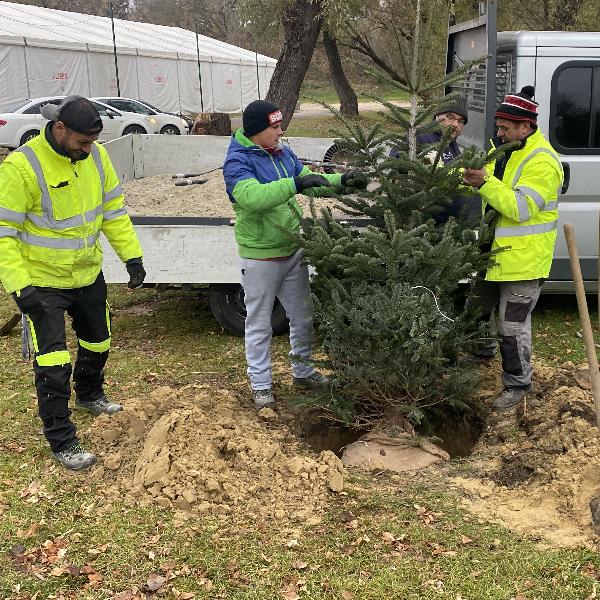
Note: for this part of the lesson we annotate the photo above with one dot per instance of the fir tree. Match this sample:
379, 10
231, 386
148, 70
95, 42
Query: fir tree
390, 297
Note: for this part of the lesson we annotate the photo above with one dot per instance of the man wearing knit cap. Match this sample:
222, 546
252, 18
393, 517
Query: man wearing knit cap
522, 188
452, 118
59, 192
262, 178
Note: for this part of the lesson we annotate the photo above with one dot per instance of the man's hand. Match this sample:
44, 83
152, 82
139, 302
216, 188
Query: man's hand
309, 181
29, 300
355, 179
135, 268
475, 177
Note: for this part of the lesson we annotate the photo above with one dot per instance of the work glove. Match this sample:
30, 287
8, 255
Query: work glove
355, 179
135, 268
29, 300
310, 181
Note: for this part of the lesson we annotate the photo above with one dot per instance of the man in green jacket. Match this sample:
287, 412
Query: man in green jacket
262, 178
58, 192
523, 189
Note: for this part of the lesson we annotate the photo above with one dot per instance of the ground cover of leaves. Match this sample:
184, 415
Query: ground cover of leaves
106, 534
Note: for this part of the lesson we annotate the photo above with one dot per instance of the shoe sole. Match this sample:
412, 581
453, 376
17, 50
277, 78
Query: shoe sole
82, 468
95, 413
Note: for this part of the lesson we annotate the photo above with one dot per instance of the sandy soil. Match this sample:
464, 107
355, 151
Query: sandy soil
158, 196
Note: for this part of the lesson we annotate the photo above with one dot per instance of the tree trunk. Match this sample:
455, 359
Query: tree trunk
301, 26
348, 99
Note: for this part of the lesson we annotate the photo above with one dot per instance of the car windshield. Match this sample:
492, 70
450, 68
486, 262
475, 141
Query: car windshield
152, 107
17, 106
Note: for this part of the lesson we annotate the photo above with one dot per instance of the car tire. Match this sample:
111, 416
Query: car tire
134, 129
226, 301
170, 130
29, 135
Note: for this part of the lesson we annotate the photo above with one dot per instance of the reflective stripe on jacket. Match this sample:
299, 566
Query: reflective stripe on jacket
527, 202
52, 211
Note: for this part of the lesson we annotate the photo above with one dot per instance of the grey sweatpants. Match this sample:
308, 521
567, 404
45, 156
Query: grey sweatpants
263, 281
515, 301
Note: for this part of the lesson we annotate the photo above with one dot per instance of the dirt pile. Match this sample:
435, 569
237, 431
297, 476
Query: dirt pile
196, 449
158, 196
538, 466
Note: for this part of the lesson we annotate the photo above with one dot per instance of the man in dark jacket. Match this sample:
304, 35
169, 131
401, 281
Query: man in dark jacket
454, 117
262, 179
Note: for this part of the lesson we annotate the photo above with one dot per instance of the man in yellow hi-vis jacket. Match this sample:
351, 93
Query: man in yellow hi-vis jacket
523, 188
58, 192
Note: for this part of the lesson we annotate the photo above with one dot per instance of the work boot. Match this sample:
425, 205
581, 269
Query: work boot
509, 397
316, 381
99, 405
75, 457
263, 398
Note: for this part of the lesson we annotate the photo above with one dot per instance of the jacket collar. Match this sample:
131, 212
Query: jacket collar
52, 142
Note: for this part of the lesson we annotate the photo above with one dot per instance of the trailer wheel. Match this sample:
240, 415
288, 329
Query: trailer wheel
340, 155
226, 302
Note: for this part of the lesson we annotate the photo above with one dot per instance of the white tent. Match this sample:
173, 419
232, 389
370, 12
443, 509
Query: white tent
45, 52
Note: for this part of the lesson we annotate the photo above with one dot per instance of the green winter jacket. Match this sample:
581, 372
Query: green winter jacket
261, 187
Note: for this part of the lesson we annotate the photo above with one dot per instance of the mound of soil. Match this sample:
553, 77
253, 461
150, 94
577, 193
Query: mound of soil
158, 196
196, 449
538, 466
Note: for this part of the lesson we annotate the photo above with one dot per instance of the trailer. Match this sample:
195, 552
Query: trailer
190, 251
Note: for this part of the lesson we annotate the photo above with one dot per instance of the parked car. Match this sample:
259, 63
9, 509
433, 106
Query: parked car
169, 123
24, 121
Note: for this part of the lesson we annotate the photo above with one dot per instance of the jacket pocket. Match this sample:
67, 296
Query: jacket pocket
65, 199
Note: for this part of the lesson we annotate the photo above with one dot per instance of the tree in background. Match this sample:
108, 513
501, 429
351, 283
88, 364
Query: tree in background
347, 96
389, 303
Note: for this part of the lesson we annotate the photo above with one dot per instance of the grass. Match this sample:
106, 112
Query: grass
375, 542
328, 125
314, 91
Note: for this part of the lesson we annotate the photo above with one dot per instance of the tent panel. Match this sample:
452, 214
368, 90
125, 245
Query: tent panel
12, 69
226, 87
54, 72
189, 86
158, 82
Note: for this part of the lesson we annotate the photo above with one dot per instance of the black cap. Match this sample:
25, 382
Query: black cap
77, 113
259, 115
456, 105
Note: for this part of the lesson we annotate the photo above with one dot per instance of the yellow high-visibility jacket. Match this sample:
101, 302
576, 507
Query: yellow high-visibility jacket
527, 202
52, 211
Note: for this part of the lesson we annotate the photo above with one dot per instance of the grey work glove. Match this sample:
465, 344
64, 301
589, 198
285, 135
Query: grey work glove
29, 300
355, 179
303, 182
135, 268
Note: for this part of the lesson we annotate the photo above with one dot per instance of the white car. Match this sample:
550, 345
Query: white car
24, 121
169, 123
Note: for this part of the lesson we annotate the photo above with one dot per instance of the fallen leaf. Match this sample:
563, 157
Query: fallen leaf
299, 564
346, 595
155, 582
465, 539
291, 543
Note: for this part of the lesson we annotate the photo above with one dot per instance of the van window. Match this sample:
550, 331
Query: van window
575, 108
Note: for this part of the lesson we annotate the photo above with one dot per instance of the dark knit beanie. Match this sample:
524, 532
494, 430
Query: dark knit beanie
519, 107
457, 105
259, 115
77, 113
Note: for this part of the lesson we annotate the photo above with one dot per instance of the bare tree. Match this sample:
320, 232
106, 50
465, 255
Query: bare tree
301, 23
347, 96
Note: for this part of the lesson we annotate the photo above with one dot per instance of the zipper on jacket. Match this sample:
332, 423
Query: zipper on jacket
82, 212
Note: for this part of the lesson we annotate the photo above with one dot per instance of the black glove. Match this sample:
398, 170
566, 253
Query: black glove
355, 179
309, 181
29, 300
135, 268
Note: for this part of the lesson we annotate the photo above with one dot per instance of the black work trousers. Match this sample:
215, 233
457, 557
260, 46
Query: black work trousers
88, 309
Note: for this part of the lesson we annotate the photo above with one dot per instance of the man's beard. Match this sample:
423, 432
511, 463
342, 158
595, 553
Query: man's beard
77, 154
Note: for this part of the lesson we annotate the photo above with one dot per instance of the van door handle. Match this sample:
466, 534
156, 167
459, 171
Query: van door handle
567, 178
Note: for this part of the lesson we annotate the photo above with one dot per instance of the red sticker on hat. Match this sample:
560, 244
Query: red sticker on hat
275, 117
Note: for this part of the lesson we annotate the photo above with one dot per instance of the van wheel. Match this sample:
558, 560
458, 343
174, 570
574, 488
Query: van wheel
28, 135
226, 301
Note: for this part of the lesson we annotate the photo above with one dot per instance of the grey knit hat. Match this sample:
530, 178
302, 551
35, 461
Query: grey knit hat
457, 105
